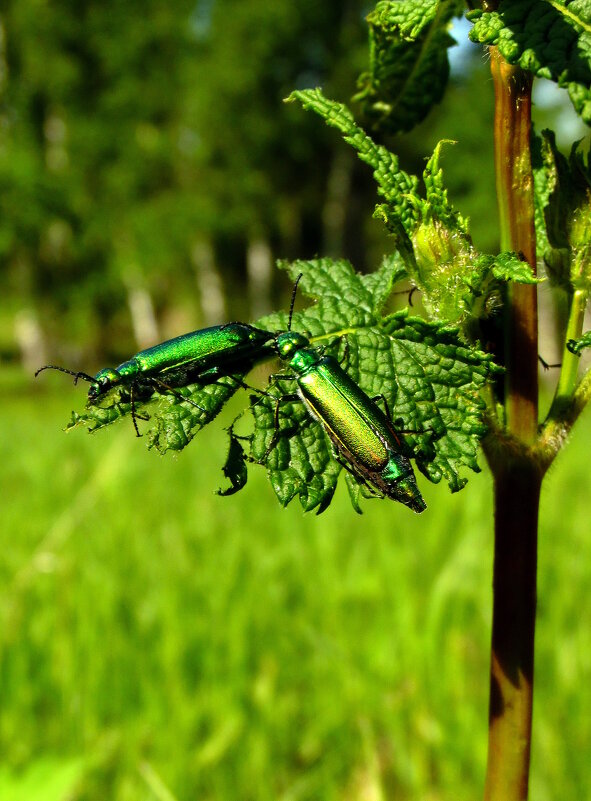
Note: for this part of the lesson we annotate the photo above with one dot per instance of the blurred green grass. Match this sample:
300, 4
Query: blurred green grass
159, 642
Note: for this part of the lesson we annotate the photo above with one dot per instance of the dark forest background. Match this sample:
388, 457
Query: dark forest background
150, 174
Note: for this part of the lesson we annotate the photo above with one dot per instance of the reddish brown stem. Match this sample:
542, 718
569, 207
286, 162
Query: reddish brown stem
512, 131
517, 476
517, 493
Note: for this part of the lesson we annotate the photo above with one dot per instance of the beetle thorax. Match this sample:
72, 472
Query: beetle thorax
303, 360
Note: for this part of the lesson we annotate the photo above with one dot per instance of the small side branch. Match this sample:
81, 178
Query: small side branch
570, 361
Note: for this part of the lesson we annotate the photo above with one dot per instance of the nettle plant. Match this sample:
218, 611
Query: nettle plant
436, 378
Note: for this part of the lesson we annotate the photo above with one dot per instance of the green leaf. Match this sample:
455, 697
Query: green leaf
348, 298
404, 210
409, 68
428, 376
550, 38
577, 345
563, 200
235, 466
172, 422
398, 188
437, 390
355, 490
295, 451
510, 266
459, 285
177, 422
437, 203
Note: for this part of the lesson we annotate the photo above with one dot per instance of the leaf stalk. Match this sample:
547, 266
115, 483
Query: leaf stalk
570, 361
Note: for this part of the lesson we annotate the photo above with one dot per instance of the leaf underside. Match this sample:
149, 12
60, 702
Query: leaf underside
550, 39
409, 68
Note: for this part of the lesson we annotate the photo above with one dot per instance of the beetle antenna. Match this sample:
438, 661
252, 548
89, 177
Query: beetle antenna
76, 375
293, 297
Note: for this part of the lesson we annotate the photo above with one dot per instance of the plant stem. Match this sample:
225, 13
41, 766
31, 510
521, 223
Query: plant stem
569, 399
570, 361
517, 493
512, 130
517, 476
560, 420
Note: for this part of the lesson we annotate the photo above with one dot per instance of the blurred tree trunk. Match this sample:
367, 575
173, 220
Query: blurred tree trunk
30, 339
209, 283
334, 212
259, 266
143, 317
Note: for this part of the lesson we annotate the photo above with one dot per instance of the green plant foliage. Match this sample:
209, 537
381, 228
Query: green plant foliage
436, 203
550, 39
404, 208
172, 424
409, 68
459, 285
563, 221
235, 467
427, 375
401, 211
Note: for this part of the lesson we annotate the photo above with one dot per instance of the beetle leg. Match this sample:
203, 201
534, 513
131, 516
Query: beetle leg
158, 383
277, 430
545, 364
244, 385
386, 406
371, 491
410, 292
133, 412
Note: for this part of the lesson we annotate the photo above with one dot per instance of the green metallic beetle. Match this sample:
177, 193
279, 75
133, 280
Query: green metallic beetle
365, 441
203, 355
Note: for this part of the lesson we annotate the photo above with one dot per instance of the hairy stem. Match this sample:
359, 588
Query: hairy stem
517, 476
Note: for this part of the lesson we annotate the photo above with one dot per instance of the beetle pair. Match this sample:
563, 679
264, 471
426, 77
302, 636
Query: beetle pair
363, 437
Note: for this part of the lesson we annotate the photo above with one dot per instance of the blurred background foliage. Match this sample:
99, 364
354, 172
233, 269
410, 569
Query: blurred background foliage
150, 174
157, 642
